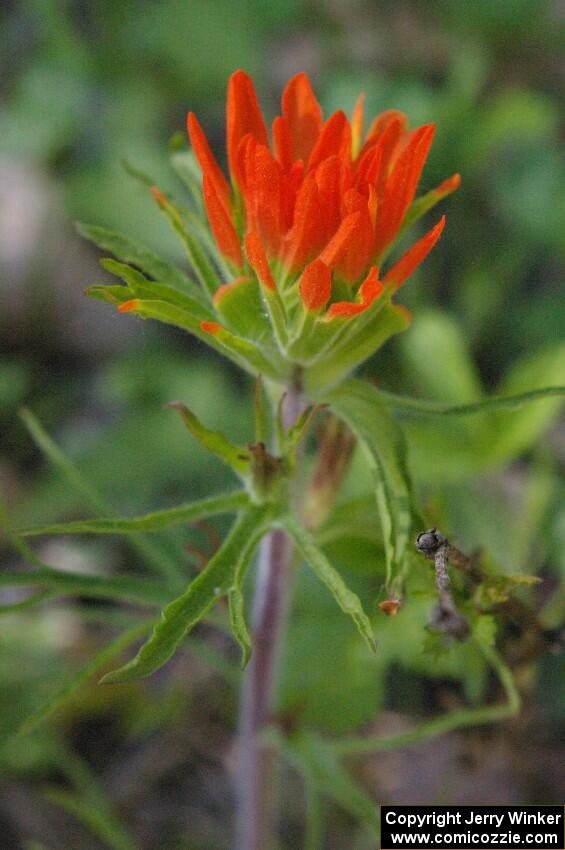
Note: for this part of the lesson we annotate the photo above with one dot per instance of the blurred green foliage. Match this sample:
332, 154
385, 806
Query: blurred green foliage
84, 86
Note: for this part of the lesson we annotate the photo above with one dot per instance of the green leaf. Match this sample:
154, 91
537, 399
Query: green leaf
381, 440
347, 600
198, 258
237, 619
64, 583
358, 346
213, 441
317, 759
131, 252
242, 309
140, 287
421, 408
215, 581
186, 166
153, 554
421, 206
91, 816
95, 665
228, 503
299, 429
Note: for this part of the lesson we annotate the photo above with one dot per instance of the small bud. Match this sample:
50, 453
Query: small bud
390, 607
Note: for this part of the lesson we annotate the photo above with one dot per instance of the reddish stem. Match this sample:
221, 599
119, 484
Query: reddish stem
255, 781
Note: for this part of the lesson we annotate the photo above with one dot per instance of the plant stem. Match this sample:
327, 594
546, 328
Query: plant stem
255, 788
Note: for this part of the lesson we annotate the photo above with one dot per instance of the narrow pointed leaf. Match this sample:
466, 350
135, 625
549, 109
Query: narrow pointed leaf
237, 622
187, 168
138, 286
157, 521
197, 256
68, 583
348, 601
317, 759
94, 666
130, 251
426, 202
215, 581
214, 441
64, 583
299, 429
90, 814
151, 551
361, 407
421, 408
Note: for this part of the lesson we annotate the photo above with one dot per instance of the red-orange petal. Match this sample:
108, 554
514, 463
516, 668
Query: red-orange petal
263, 196
282, 142
369, 291
448, 186
401, 185
128, 306
332, 178
306, 235
342, 240
414, 256
303, 114
258, 260
212, 328
316, 285
243, 115
358, 253
380, 123
224, 232
207, 160
334, 140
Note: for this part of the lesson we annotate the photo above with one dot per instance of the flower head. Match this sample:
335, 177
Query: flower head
303, 225
319, 191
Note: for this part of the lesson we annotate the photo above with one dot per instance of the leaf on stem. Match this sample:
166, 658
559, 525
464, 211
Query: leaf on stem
197, 256
422, 408
131, 251
94, 665
157, 521
237, 618
348, 601
216, 580
317, 760
213, 441
361, 407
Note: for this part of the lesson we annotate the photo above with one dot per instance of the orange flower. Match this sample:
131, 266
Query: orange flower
322, 207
